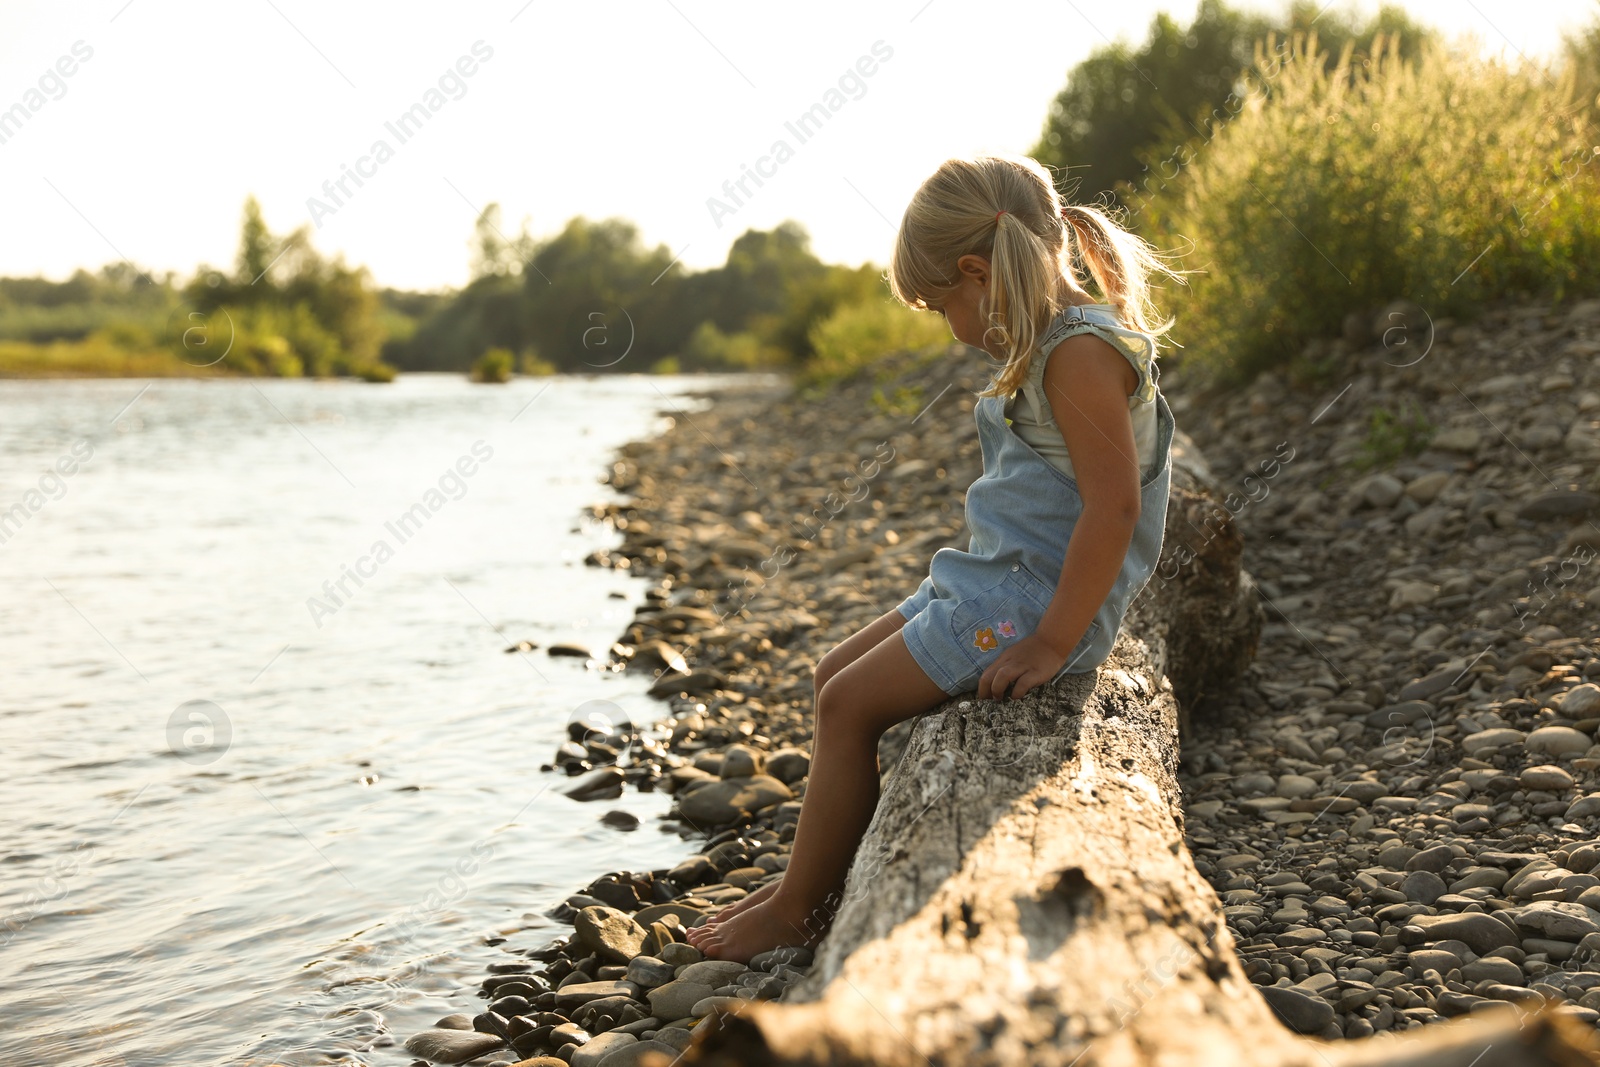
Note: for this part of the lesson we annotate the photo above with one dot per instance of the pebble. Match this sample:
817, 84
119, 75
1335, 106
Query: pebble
1545, 777
1395, 857
451, 1046
1382, 490
721, 1005
1296, 785
789, 765
1488, 740
676, 999
1458, 439
1425, 487
712, 972
1433, 859
636, 1054
1412, 594
1423, 960
602, 783
648, 972
679, 955
723, 802
1479, 932
1557, 741
1299, 1012
1561, 504
578, 993
1559, 920
676, 1036
599, 1047
1493, 969
740, 761
774, 958
1424, 887
1581, 701
610, 934
1584, 807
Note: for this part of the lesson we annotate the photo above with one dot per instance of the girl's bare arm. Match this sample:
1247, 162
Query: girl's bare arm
1087, 383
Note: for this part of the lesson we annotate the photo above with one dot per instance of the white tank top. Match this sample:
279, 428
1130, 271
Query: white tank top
1030, 414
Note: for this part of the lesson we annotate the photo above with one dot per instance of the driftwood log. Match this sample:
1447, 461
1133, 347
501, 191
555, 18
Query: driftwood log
1024, 895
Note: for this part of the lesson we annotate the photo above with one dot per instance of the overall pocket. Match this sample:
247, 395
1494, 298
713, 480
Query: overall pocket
987, 623
1042, 592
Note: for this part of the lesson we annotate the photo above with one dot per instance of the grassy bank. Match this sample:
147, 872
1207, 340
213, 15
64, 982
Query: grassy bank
93, 357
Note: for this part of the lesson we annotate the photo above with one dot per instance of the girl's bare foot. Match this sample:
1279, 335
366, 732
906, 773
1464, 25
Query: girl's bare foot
722, 915
771, 923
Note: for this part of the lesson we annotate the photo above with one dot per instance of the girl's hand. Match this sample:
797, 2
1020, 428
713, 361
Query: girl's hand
1025, 665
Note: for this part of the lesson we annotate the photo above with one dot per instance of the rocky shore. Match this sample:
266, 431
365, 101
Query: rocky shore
1399, 809
1401, 814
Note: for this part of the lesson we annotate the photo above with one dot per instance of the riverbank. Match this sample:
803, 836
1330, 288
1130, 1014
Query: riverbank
1396, 808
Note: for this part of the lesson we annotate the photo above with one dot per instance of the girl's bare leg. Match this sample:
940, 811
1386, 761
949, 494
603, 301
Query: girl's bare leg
843, 654
880, 688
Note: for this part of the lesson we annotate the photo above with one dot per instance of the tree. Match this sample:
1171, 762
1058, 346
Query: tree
1122, 109
492, 251
256, 246
321, 319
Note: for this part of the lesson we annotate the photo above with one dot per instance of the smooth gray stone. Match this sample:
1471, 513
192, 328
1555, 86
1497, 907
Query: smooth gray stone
451, 1046
1300, 1012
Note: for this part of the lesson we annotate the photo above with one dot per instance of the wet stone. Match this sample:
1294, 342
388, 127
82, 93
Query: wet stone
452, 1046
608, 933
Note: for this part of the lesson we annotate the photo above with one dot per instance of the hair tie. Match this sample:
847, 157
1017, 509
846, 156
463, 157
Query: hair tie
997, 214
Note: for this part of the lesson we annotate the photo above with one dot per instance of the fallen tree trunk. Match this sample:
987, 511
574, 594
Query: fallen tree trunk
1024, 896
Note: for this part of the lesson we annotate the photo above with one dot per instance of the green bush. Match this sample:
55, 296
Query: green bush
1448, 181
494, 366
1390, 436
856, 335
533, 365
709, 348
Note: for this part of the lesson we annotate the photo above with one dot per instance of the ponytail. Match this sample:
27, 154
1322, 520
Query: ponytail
1120, 264
1006, 209
1024, 278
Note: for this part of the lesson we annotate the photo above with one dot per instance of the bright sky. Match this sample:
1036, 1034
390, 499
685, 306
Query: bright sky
644, 109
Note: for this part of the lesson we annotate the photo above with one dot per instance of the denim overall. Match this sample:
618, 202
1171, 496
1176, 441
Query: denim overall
1021, 511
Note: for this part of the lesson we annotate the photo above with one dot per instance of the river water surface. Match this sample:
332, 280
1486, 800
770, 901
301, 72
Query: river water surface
271, 783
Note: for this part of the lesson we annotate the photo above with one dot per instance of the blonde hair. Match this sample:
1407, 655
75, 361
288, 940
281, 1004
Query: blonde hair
1006, 209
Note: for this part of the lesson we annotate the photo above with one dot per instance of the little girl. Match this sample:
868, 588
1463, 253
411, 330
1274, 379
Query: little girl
1066, 519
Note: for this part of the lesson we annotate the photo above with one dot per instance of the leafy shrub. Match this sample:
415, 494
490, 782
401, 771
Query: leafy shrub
857, 334
535, 366
709, 348
494, 366
1447, 181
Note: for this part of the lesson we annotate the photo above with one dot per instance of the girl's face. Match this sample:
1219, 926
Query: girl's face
961, 307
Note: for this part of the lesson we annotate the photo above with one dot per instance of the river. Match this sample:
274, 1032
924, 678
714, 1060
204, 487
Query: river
272, 785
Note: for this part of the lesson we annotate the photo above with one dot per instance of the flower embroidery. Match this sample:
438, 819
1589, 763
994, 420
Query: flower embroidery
1007, 629
985, 640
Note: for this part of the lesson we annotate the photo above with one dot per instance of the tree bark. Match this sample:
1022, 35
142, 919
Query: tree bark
1024, 895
